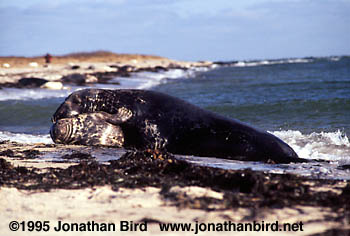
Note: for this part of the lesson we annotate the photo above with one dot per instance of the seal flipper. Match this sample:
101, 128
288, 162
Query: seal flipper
120, 117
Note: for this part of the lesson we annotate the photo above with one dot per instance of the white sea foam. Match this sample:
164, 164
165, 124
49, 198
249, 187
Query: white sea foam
334, 58
139, 80
281, 61
147, 80
332, 146
25, 94
25, 138
271, 62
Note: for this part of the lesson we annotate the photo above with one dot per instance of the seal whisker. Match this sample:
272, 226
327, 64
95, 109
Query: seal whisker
69, 133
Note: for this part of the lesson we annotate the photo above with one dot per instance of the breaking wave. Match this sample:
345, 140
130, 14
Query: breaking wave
331, 146
137, 80
25, 138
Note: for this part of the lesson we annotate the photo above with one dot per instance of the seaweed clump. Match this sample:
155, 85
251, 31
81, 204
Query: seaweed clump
241, 188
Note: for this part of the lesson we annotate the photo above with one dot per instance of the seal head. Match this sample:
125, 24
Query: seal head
87, 129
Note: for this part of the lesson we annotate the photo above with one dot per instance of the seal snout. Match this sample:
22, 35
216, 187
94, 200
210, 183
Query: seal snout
61, 131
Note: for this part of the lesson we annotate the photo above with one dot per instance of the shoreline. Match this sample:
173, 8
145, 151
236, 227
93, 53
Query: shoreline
82, 68
156, 187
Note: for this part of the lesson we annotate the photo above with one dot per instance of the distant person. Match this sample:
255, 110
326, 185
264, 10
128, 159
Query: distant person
48, 58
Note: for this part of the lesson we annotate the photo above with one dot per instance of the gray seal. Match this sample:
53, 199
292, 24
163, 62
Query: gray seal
152, 120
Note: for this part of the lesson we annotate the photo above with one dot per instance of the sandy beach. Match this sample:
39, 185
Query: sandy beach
146, 188
82, 190
96, 65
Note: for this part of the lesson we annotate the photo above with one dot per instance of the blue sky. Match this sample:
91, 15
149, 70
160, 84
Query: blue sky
178, 29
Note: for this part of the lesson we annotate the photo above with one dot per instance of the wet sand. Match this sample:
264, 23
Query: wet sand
157, 188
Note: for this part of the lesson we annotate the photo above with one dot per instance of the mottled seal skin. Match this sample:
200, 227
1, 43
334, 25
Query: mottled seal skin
90, 129
152, 120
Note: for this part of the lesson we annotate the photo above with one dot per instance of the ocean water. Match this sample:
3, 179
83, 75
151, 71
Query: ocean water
303, 101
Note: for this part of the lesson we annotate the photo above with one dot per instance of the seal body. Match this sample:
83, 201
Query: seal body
152, 120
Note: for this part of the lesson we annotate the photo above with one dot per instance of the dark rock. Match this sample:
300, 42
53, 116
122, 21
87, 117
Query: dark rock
8, 153
31, 82
126, 69
152, 69
105, 77
344, 167
75, 67
176, 66
346, 190
160, 68
225, 63
31, 154
77, 79
5, 164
